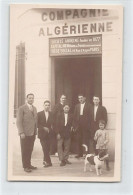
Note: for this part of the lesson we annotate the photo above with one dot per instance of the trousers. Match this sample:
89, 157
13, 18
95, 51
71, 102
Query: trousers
63, 147
27, 145
45, 143
82, 136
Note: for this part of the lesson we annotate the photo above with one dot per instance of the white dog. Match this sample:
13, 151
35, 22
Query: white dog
98, 161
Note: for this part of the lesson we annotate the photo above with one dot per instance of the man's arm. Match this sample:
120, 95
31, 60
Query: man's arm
55, 110
39, 125
57, 129
36, 120
58, 123
74, 123
51, 120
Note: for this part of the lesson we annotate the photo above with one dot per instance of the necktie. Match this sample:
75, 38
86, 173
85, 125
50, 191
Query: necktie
31, 109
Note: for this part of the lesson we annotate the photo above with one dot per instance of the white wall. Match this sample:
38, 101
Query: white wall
110, 61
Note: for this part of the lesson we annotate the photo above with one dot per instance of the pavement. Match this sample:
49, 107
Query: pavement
73, 170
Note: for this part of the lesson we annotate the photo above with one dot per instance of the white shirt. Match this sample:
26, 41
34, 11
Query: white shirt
82, 108
95, 111
46, 115
30, 107
66, 118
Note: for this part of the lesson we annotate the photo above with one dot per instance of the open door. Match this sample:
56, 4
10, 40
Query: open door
78, 75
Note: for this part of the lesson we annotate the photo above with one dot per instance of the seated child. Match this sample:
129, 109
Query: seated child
102, 139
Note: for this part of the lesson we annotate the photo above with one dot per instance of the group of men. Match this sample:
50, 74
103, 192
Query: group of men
56, 127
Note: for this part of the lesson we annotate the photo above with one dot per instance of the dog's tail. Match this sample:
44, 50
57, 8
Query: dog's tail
86, 148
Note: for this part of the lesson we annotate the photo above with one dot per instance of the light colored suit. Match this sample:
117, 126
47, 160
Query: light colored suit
27, 120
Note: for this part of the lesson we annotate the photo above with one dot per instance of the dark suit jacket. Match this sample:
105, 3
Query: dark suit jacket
42, 134
58, 109
64, 131
27, 120
101, 114
86, 116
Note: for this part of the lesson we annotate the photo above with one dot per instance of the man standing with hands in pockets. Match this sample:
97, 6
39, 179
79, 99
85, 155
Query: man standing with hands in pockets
45, 122
27, 129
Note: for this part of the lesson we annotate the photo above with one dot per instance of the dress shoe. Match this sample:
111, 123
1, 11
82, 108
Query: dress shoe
32, 167
27, 170
68, 162
78, 156
47, 165
63, 163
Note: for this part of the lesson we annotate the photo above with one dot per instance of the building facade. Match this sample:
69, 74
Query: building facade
68, 51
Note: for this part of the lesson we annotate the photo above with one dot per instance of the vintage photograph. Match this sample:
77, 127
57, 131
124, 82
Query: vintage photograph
65, 93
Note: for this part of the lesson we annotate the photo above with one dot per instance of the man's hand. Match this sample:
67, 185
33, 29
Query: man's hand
58, 136
72, 129
46, 129
22, 135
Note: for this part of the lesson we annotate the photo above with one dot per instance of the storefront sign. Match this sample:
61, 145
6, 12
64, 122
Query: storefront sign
74, 14
96, 27
83, 45
66, 14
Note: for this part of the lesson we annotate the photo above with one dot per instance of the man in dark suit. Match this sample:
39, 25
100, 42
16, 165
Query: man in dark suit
27, 128
45, 121
81, 123
58, 108
98, 113
63, 131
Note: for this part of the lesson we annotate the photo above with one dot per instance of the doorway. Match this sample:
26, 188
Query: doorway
74, 75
